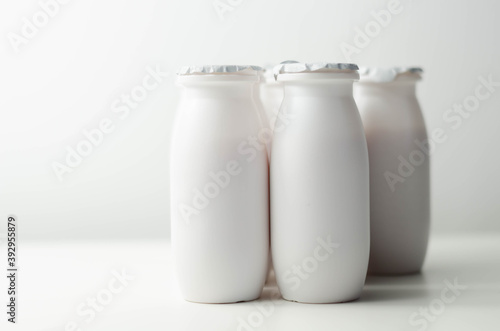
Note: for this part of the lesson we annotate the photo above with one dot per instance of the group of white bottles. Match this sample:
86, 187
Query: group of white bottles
286, 161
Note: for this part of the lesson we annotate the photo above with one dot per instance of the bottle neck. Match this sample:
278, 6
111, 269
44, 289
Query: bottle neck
406, 89
320, 88
219, 90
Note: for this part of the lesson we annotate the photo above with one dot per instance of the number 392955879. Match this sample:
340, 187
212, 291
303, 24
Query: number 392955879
11, 242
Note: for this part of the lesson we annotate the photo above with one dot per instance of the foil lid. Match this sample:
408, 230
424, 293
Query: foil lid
218, 69
298, 67
384, 75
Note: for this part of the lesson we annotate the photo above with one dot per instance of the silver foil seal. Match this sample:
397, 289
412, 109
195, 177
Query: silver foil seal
384, 75
299, 67
218, 69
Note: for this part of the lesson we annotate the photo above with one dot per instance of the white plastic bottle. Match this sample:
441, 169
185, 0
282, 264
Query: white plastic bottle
399, 168
319, 186
219, 187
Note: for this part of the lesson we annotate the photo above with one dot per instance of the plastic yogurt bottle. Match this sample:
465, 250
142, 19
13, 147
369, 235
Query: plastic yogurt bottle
319, 186
399, 168
219, 186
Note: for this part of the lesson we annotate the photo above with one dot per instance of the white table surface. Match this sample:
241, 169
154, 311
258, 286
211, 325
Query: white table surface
56, 279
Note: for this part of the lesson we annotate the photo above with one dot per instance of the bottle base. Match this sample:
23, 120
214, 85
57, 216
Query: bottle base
408, 272
331, 301
221, 301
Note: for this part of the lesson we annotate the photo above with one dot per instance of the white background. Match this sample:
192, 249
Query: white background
65, 79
